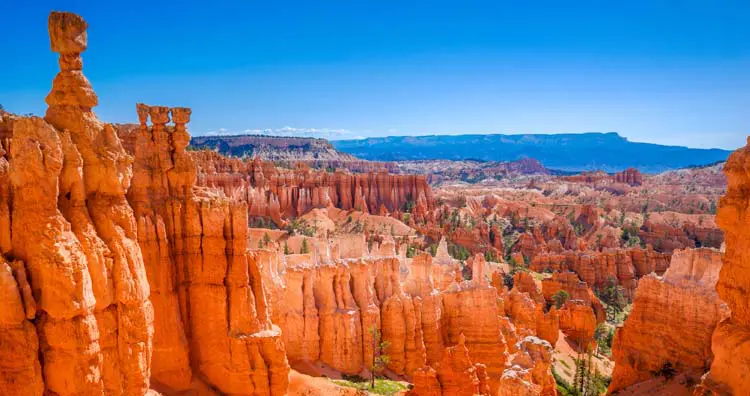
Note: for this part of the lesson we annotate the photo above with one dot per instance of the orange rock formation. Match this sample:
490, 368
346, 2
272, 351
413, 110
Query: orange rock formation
730, 343
629, 176
78, 317
283, 193
576, 289
672, 320
120, 272
213, 322
598, 268
529, 373
578, 322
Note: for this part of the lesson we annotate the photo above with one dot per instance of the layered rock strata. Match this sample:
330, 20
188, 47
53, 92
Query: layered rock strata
576, 289
286, 193
599, 269
730, 343
444, 340
672, 320
213, 324
78, 317
348, 297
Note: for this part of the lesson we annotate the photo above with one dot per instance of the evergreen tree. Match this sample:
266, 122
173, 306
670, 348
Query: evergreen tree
586, 380
266, 240
560, 298
379, 357
613, 295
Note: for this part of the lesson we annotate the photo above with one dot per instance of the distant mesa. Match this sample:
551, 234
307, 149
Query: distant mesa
609, 152
271, 147
288, 151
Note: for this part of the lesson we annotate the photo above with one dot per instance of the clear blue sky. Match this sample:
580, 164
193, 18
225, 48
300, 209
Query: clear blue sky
671, 72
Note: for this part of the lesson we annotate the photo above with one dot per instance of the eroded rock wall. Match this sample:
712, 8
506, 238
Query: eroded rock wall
286, 193
329, 308
598, 269
85, 325
445, 340
731, 340
672, 320
213, 324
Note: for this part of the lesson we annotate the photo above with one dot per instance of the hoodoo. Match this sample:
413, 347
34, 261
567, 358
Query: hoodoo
80, 320
730, 343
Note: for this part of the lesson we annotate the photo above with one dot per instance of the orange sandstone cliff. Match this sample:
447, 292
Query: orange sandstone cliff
118, 274
286, 193
77, 317
597, 269
213, 326
672, 320
730, 343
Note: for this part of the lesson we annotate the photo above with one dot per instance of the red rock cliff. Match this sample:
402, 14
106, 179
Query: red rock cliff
284, 193
731, 340
77, 317
598, 268
88, 231
213, 326
629, 176
672, 320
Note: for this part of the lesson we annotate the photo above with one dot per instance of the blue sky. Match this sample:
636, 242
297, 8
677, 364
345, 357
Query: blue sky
670, 72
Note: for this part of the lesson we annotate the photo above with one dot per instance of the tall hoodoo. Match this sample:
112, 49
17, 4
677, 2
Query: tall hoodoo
213, 323
72, 231
730, 343
83, 222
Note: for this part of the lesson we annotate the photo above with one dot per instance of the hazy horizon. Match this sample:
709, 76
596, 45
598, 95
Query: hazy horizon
306, 135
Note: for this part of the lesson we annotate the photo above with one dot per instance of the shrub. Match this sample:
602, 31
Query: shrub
604, 335
667, 371
301, 227
560, 298
411, 250
458, 252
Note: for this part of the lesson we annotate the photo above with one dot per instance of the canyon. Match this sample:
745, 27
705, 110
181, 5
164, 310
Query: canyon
135, 263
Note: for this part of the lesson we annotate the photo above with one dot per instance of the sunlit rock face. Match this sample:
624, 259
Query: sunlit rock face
576, 289
119, 277
731, 340
285, 193
77, 317
213, 322
599, 268
672, 320
444, 341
